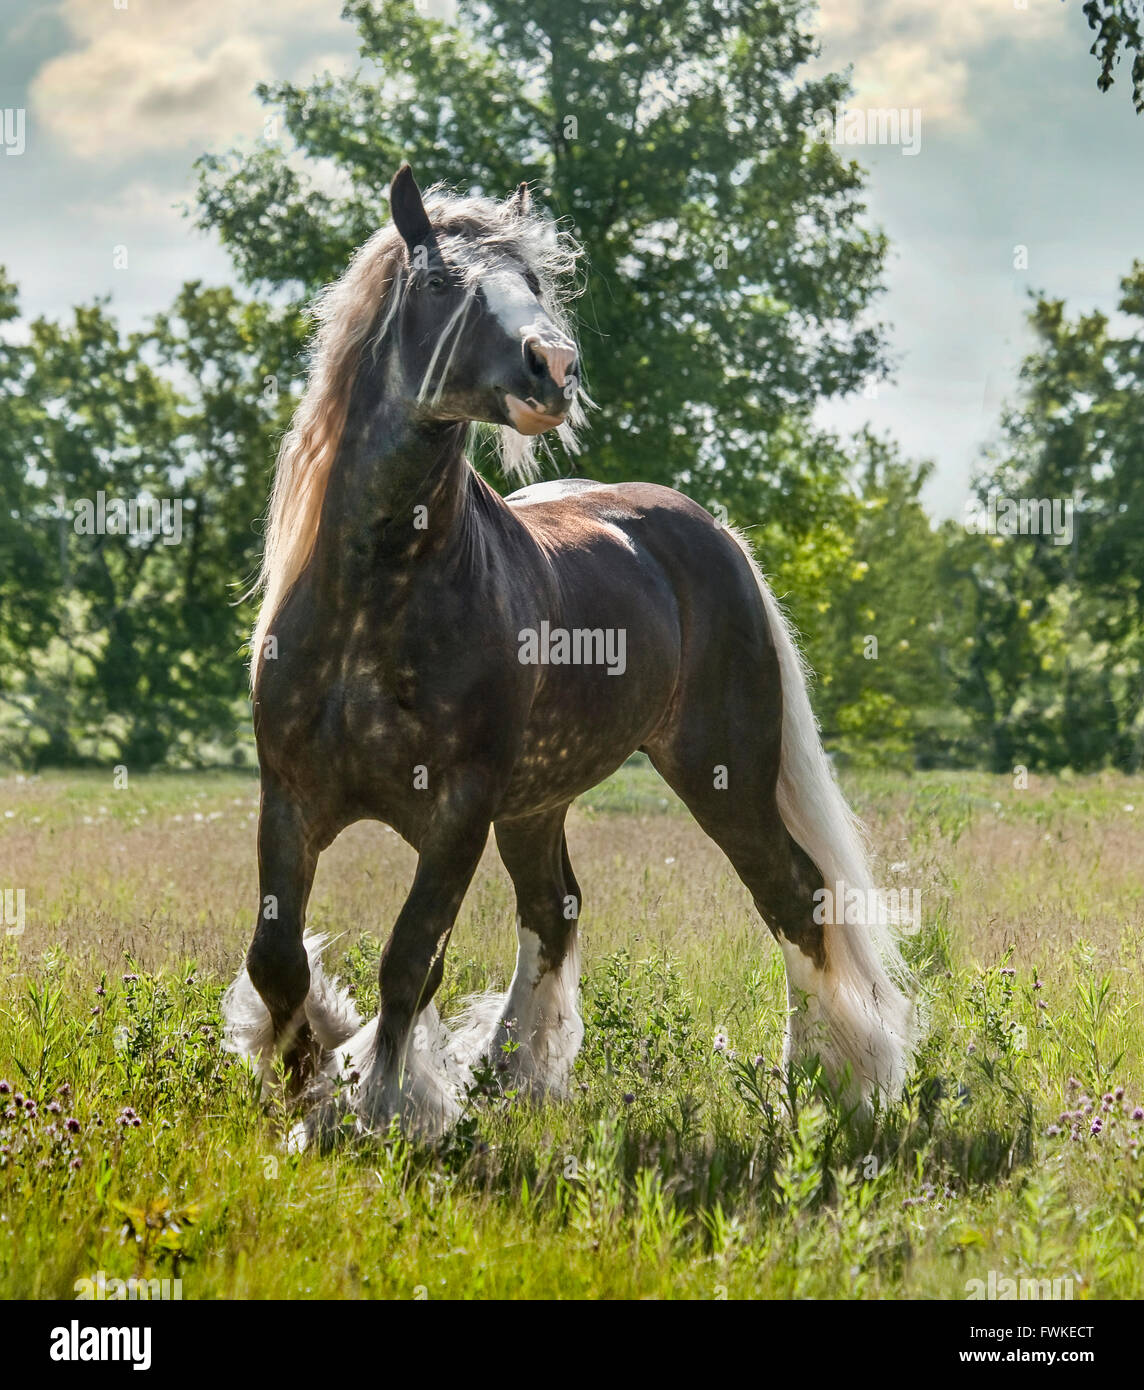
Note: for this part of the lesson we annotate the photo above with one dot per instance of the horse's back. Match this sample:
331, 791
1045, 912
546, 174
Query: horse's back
655, 523
652, 560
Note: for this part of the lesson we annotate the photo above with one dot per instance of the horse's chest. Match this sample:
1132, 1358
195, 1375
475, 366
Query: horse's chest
363, 717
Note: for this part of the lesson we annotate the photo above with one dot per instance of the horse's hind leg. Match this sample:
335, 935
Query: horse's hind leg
725, 765
540, 1013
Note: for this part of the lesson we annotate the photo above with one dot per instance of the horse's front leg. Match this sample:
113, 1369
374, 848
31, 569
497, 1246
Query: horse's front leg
276, 964
408, 1073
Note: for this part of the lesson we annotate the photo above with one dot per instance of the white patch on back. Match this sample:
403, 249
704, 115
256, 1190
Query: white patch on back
552, 490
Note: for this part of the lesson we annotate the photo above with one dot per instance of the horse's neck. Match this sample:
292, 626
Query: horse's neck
398, 489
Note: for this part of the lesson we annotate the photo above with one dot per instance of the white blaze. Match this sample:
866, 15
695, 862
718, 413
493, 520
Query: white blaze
512, 304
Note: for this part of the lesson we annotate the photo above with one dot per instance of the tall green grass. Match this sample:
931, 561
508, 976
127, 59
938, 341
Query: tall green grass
684, 1164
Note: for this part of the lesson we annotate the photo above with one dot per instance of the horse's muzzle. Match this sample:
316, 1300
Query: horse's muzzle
530, 417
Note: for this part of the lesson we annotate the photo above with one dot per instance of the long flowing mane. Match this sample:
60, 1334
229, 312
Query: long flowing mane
357, 312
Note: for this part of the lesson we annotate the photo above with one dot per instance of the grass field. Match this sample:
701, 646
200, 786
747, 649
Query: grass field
131, 1144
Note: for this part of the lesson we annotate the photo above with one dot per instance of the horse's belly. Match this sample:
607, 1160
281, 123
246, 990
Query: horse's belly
581, 734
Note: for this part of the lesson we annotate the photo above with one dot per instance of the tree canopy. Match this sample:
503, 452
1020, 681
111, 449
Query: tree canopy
728, 289
729, 269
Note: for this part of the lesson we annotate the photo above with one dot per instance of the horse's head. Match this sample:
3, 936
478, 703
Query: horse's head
478, 332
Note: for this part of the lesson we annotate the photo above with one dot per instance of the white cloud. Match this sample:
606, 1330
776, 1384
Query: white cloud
167, 76
920, 53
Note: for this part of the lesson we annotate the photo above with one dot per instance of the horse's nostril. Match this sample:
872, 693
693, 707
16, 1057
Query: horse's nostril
536, 364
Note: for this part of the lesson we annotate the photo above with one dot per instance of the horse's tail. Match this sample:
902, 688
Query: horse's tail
857, 1013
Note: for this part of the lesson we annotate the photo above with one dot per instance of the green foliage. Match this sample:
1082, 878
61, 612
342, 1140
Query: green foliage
126, 648
1055, 669
728, 289
1119, 27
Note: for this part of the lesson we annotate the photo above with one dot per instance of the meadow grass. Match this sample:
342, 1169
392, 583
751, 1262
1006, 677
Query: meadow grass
681, 1165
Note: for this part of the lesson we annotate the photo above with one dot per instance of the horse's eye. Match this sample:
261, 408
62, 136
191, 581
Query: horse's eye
435, 281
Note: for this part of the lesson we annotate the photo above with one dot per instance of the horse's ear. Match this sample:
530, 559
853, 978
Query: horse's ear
520, 202
407, 209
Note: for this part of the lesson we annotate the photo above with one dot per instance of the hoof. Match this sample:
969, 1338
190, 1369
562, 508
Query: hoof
303, 1062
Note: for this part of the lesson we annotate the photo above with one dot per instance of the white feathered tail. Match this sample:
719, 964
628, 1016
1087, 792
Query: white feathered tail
856, 1014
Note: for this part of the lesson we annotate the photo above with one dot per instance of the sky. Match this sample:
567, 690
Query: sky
1014, 147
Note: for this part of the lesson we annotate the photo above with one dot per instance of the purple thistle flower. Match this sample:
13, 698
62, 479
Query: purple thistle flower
71, 1124
77, 1162
5, 1088
1008, 972
627, 1098
1053, 1130
1096, 1126
54, 1107
1074, 1084
1119, 1093
1138, 1113
1107, 1097
1038, 984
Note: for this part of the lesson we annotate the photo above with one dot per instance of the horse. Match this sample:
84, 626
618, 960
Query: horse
438, 657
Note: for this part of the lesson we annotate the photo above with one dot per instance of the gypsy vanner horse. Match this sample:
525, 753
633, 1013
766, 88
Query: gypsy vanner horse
392, 681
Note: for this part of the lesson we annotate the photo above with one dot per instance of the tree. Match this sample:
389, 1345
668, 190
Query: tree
729, 275
1119, 25
29, 568
121, 640
1057, 672
890, 631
